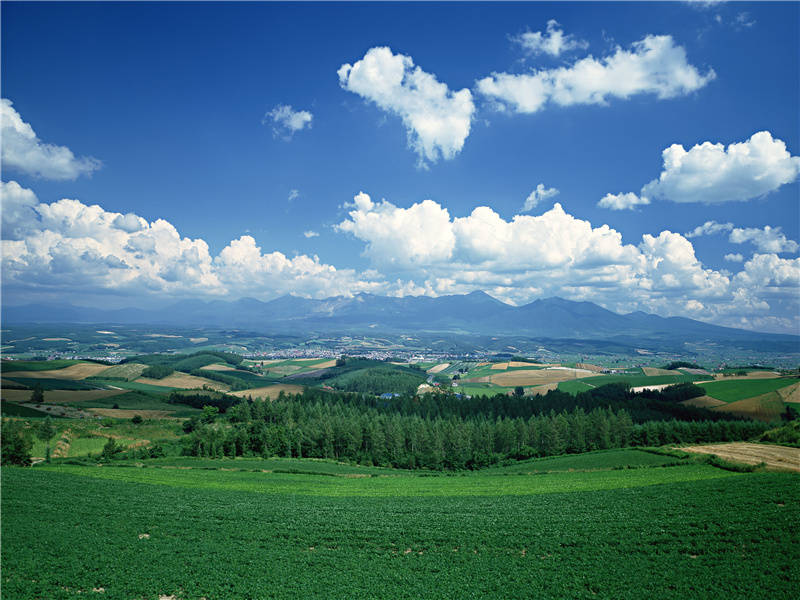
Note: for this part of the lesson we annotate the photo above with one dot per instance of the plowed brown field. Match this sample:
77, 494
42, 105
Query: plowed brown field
777, 457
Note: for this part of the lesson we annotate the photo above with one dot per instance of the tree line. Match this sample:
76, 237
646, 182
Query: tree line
333, 428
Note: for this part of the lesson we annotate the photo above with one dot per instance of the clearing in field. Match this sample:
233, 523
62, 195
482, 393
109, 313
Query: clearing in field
542, 389
791, 393
703, 402
534, 377
124, 413
750, 375
127, 371
779, 457
652, 371
766, 407
270, 391
590, 367
56, 340
184, 381
62, 396
438, 368
74, 372
218, 367
499, 366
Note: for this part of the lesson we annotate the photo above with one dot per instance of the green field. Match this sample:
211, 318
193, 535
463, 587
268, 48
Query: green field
54, 384
574, 386
640, 380
36, 365
12, 409
133, 385
603, 460
680, 532
731, 391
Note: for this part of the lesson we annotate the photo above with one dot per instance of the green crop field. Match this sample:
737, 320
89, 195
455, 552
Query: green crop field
54, 384
640, 380
574, 386
12, 409
36, 365
589, 461
122, 532
731, 391
133, 385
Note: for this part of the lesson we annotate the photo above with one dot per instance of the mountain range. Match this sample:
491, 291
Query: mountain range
475, 313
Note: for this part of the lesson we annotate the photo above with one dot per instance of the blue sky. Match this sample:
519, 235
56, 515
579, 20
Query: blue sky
173, 112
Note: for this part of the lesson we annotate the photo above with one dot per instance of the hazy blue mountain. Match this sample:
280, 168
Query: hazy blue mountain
476, 313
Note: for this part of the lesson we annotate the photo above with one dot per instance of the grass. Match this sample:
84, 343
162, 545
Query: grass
673, 533
731, 391
641, 380
284, 465
412, 486
603, 460
574, 387
133, 385
11, 409
480, 389
37, 365
54, 384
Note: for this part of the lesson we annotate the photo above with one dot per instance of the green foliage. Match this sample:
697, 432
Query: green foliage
210, 414
16, 443
681, 364
379, 380
110, 449
137, 419
788, 434
37, 395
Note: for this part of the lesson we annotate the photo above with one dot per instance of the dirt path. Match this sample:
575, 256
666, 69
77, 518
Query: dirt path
778, 457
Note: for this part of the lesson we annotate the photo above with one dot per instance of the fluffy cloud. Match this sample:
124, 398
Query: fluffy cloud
626, 201
708, 228
768, 239
556, 253
653, 65
537, 195
710, 173
402, 237
552, 42
310, 234
286, 121
23, 151
437, 119
734, 257
69, 247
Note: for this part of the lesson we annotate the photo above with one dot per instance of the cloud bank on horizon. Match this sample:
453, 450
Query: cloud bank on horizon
551, 243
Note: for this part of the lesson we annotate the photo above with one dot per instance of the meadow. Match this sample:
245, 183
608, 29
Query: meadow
690, 531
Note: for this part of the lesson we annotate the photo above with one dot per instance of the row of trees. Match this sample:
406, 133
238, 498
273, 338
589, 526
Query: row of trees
367, 435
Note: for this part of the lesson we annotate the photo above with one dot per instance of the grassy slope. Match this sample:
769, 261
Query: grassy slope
589, 461
334, 541
731, 391
36, 365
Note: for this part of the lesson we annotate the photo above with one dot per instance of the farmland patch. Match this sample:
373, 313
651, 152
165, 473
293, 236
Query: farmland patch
779, 457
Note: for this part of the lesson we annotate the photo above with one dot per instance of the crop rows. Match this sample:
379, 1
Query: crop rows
65, 535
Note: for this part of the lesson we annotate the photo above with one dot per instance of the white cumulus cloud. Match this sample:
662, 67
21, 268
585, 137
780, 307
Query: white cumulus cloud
654, 65
536, 196
627, 201
734, 257
711, 173
708, 228
70, 247
436, 118
552, 41
286, 121
310, 234
23, 151
768, 239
